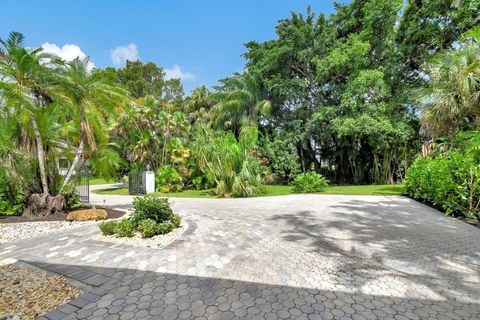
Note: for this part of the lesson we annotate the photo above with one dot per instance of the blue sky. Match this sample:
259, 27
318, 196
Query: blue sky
201, 41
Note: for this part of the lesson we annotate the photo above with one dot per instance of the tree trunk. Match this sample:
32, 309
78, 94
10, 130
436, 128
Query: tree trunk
73, 166
41, 205
41, 157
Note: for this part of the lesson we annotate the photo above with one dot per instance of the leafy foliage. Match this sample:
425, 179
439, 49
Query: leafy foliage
450, 182
167, 180
230, 162
147, 228
108, 228
281, 154
124, 228
150, 207
309, 182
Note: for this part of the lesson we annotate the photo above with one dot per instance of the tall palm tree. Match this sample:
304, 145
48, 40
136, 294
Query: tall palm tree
452, 98
242, 99
55, 106
90, 101
26, 85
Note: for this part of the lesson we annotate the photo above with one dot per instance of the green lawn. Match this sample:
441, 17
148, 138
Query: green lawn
98, 180
387, 190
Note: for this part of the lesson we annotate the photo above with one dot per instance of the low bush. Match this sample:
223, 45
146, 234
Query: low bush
124, 229
176, 220
449, 182
150, 207
309, 182
147, 228
108, 228
164, 228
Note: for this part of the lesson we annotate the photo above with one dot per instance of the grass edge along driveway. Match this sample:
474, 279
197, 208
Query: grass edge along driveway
279, 190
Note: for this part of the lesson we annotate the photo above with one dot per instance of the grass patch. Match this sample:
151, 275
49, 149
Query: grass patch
383, 190
368, 190
99, 180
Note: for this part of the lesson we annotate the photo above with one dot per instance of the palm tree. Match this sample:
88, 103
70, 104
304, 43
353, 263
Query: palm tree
26, 85
54, 106
452, 98
242, 98
90, 102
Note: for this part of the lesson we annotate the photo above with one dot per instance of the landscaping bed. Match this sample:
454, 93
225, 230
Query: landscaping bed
151, 224
61, 216
27, 294
158, 241
18, 227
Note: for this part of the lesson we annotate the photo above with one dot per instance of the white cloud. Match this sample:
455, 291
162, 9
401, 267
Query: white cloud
68, 52
121, 54
177, 73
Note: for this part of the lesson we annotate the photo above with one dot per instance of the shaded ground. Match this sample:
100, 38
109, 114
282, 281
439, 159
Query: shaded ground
299, 257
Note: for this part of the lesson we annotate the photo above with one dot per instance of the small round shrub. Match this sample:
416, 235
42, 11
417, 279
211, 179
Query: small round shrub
176, 220
164, 228
309, 182
108, 228
150, 207
147, 228
124, 229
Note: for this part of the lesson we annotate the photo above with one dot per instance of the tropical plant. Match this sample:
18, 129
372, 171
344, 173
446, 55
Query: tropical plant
451, 101
53, 108
230, 162
241, 98
167, 179
309, 182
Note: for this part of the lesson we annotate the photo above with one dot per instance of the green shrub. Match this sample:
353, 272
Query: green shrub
124, 229
72, 200
11, 198
448, 182
282, 156
148, 228
167, 180
164, 228
150, 207
309, 182
176, 220
108, 228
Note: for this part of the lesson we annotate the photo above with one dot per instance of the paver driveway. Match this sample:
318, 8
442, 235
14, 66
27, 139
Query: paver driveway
295, 257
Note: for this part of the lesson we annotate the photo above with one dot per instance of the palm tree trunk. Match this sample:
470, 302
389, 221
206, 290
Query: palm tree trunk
41, 157
73, 166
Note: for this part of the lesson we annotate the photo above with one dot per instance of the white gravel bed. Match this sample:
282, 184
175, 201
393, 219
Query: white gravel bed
158, 241
24, 230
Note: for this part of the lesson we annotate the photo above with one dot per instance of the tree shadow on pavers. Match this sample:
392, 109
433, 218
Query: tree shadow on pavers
116, 293
405, 240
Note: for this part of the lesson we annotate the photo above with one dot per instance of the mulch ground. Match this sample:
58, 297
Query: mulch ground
112, 214
26, 294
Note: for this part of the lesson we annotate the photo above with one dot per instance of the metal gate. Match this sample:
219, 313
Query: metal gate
136, 182
82, 186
